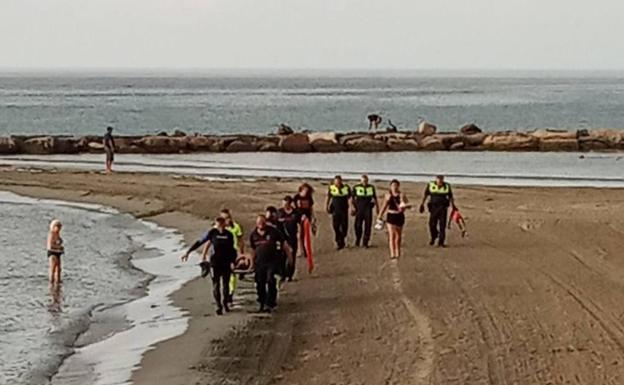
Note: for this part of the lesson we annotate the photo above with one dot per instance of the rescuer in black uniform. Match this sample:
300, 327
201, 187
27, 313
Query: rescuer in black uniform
337, 204
364, 199
440, 198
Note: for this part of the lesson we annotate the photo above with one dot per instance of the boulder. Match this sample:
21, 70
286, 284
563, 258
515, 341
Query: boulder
325, 142
284, 129
603, 139
242, 146
449, 139
62, 145
203, 143
426, 129
178, 133
295, 143
366, 144
8, 146
474, 140
431, 143
405, 144
268, 146
553, 134
552, 145
40, 146
470, 129
95, 146
510, 142
163, 144
457, 146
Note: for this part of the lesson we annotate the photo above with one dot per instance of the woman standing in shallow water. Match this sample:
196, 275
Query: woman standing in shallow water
55, 250
394, 204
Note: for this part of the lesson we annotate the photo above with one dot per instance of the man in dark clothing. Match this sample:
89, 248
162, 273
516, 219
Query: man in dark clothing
109, 149
266, 244
364, 199
288, 220
440, 198
337, 204
221, 261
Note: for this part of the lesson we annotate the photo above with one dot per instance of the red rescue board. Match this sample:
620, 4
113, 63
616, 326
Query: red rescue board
307, 244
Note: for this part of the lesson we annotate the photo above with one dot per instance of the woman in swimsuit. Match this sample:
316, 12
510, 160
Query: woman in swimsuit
304, 204
394, 205
55, 250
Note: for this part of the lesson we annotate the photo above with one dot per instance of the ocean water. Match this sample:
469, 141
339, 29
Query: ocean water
248, 103
39, 324
466, 168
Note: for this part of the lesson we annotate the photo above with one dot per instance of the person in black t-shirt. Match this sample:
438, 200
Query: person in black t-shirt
288, 222
221, 261
440, 197
266, 243
337, 205
109, 149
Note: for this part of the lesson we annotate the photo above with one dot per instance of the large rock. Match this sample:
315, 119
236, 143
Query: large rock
553, 134
366, 144
203, 143
40, 146
448, 140
431, 143
473, 141
470, 129
163, 144
325, 142
426, 128
510, 142
270, 144
8, 146
242, 146
405, 144
295, 143
552, 145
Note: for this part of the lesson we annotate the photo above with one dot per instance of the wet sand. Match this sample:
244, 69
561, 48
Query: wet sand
531, 296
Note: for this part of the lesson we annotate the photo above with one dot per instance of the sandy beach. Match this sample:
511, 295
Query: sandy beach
531, 296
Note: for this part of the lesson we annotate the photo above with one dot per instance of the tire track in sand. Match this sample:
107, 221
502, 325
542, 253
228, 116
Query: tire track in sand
424, 362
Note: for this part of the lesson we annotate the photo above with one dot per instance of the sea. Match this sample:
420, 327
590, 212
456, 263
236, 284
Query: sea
255, 102
111, 306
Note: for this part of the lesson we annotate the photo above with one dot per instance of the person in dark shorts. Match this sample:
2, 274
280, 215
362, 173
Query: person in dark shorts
266, 242
222, 260
337, 205
303, 202
440, 199
394, 205
109, 149
364, 199
55, 250
288, 222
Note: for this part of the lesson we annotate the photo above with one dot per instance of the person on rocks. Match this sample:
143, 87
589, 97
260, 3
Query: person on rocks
222, 260
337, 205
374, 120
440, 198
266, 243
364, 199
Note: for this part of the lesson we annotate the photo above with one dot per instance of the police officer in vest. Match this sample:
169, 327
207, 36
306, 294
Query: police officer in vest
337, 204
364, 199
440, 198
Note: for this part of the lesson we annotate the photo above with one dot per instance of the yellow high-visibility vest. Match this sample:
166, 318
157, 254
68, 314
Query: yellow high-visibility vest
362, 191
439, 190
336, 192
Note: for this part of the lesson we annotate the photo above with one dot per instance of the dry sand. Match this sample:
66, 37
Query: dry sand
531, 296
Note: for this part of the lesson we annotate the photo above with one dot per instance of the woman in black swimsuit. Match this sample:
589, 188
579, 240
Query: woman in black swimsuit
394, 205
304, 204
55, 250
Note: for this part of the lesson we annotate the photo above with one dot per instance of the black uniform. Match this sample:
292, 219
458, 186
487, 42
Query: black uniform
223, 256
364, 197
439, 202
339, 208
289, 226
267, 247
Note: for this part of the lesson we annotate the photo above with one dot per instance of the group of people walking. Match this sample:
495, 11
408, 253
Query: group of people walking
276, 241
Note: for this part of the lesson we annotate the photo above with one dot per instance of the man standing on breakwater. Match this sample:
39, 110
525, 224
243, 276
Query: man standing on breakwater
440, 198
364, 199
109, 149
337, 204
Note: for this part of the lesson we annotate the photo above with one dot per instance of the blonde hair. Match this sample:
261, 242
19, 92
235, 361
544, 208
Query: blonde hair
55, 223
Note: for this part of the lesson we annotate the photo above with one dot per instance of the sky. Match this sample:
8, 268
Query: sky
312, 34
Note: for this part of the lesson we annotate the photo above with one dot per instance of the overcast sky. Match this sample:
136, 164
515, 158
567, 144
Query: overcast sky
400, 34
